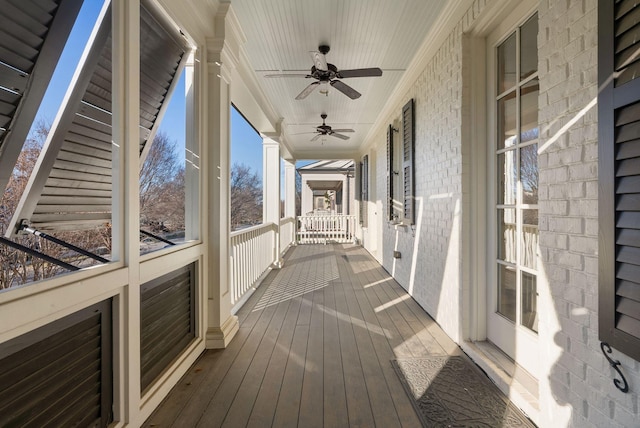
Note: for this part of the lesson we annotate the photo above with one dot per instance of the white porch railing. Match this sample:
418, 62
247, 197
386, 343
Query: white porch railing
287, 233
320, 229
252, 252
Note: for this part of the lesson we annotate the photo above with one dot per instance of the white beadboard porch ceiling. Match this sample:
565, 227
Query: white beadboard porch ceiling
361, 33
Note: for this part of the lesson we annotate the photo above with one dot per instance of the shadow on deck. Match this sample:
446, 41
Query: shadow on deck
314, 348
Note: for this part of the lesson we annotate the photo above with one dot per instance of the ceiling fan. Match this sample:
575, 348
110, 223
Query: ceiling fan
325, 129
324, 72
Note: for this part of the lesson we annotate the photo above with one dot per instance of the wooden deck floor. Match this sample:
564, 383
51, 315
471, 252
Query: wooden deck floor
314, 349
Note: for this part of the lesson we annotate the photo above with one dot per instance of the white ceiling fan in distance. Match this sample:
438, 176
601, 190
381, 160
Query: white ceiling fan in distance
324, 129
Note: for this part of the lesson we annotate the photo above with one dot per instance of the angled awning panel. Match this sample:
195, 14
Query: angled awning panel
32, 36
71, 188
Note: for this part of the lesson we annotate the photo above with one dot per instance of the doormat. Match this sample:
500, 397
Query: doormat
452, 392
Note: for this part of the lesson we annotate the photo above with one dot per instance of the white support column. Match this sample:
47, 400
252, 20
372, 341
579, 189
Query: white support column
126, 204
345, 194
289, 188
271, 190
307, 203
221, 61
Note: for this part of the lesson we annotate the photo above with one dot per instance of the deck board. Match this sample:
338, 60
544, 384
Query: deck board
314, 349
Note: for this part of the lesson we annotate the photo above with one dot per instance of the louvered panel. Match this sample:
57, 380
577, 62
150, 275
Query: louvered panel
627, 209
81, 156
626, 32
167, 321
32, 36
59, 374
408, 139
390, 173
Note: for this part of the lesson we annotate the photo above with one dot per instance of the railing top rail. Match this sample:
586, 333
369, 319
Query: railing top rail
251, 229
325, 216
286, 220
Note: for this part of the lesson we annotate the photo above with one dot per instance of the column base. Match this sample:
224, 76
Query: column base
219, 337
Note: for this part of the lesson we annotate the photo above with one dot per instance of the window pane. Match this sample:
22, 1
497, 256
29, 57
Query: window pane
507, 291
529, 303
529, 47
507, 235
529, 238
529, 174
507, 121
507, 178
507, 64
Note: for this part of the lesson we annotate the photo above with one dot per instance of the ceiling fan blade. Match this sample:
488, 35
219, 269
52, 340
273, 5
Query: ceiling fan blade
359, 72
342, 137
343, 130
316, 137
319, 60
285, 75
306, 91
345, 89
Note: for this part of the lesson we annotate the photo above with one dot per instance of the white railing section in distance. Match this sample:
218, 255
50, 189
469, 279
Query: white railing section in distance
252, 252
323, 228
287, 233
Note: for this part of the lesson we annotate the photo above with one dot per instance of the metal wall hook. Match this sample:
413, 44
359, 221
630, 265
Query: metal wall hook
622, 385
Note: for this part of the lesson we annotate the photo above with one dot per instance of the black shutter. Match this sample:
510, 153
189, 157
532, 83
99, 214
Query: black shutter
407, 162
167, 321
390, 173
619, 175
364, 189
59, 374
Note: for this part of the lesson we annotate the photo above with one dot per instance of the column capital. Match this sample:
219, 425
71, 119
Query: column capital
270, 139
223, 50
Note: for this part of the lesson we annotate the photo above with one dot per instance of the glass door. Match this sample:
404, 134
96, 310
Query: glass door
512, 302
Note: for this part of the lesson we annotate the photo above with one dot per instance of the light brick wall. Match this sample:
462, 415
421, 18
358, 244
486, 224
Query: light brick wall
576, 382
580, 377
430, 266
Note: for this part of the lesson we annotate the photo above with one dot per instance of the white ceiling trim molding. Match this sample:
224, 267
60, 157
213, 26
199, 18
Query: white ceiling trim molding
195, 17
449, 18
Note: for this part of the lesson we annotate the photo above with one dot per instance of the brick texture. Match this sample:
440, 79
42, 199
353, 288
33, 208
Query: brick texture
576, 383
568, 239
